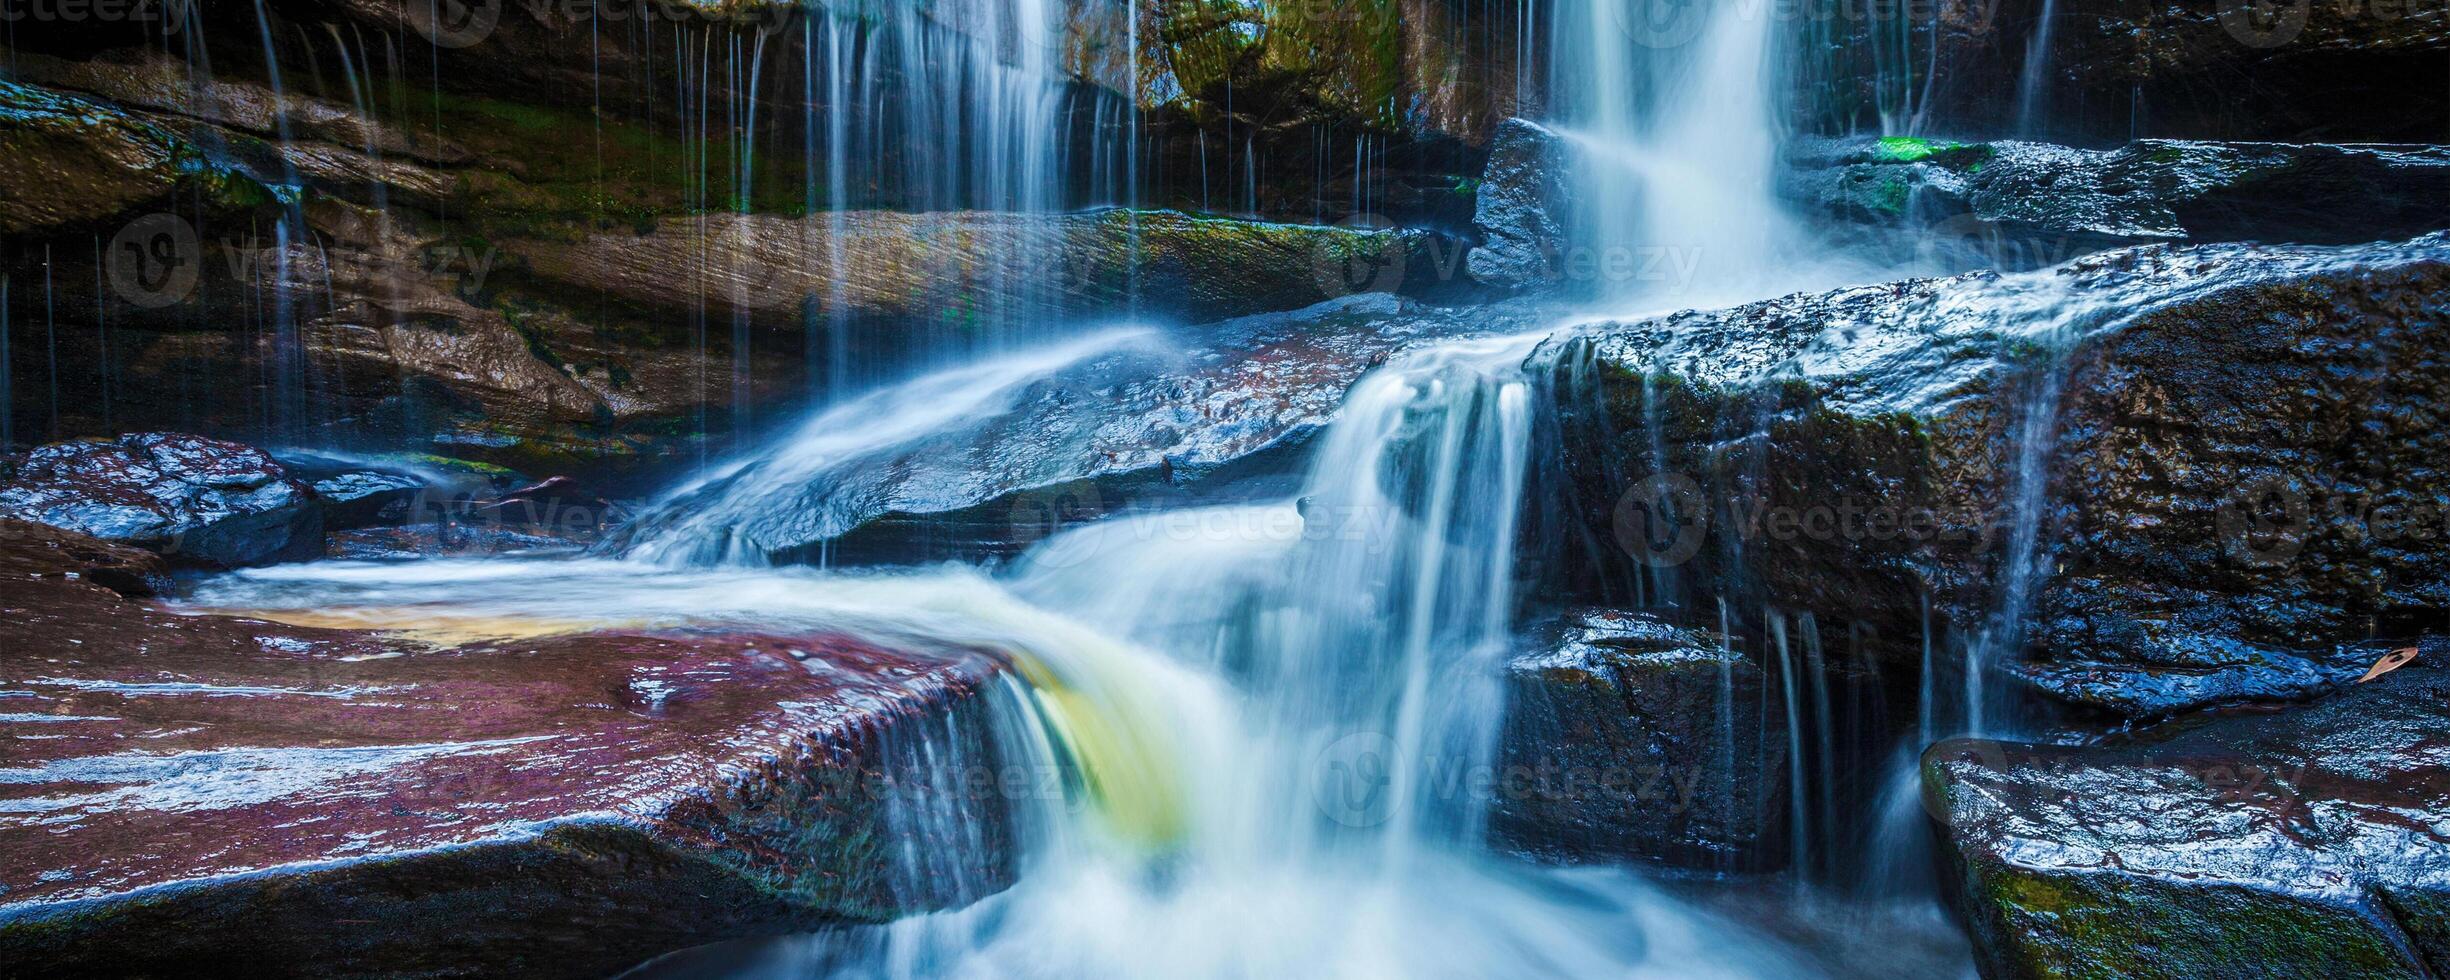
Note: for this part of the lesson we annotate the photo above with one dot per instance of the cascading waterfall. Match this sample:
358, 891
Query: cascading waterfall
1673, 111
1282, 725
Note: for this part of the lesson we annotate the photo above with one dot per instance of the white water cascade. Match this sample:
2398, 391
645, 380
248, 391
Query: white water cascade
1284, 715
1673, 107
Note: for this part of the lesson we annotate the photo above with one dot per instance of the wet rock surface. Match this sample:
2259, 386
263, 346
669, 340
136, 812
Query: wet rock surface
1627, 738
204, 794
1524, 207
943, 266
196, 500
2305, 842
1195, 414
2193, 445
2055, 202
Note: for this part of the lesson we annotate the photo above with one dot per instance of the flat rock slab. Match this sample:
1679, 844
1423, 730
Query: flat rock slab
2311, 842
195, 793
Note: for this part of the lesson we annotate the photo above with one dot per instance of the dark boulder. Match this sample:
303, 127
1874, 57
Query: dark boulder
219, 796
1524, 208
366, 498
2037, 204
1627, 738
2301, 843
2168, 476
193, 499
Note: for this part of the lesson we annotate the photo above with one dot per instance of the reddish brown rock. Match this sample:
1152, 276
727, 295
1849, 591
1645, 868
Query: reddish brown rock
185, 794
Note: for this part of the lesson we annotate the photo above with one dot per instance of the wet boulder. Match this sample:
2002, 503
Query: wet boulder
2158, 477
2037, 204
982, 462
1523, 208
195, 500
1627, 738
2305, 842
209, 795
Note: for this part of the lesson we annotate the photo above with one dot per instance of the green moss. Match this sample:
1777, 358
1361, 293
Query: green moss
1914, 149
571, 171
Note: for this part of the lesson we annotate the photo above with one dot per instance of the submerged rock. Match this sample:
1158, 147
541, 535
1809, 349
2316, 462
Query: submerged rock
2180, 476
2058, 201
193, 499
202, 794
1627, 738
2303, 843
982, 462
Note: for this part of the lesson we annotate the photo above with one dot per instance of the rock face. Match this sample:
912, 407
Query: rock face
220, 795
1018, 448
1314, 112
2179, 476
2057, 202
2304, 843
196, 500
1627, 738
2112, 70
981, 267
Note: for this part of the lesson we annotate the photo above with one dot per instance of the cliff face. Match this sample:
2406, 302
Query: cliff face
2105, 71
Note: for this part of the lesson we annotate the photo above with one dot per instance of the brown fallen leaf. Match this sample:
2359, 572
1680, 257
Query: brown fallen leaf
2390, 661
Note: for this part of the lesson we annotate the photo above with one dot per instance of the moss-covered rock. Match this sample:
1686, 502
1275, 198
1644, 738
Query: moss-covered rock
2298, 843
978, 269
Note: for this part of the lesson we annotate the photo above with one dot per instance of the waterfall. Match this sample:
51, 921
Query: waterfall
1673, 109
1280, 717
